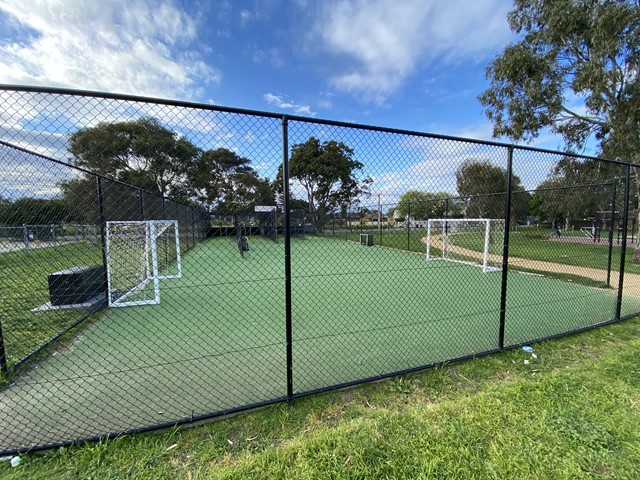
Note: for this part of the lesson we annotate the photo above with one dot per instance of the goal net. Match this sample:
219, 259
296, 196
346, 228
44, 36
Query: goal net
139, 255
473, 241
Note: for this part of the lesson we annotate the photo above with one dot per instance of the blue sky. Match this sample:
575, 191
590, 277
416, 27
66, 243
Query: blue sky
411, 64
414, 64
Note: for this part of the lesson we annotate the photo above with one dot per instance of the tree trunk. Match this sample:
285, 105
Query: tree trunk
318, 221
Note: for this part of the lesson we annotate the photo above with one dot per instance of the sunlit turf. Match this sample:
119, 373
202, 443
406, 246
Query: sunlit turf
23, 287
527, 242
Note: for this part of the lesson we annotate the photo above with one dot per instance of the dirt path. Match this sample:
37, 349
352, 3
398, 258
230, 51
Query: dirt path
631, 280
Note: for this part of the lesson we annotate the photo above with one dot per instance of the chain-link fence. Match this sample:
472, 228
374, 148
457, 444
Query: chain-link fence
165, 262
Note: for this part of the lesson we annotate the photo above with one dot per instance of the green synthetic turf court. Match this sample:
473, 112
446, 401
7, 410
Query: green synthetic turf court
217, 339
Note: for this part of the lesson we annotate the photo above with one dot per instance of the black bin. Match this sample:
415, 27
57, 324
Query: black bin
77, 284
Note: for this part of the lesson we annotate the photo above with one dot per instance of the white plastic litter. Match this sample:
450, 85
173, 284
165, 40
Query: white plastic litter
528, 349
15, 461
533, 355
526, 362
5, 458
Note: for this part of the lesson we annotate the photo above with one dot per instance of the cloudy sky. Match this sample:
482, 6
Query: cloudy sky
415, 64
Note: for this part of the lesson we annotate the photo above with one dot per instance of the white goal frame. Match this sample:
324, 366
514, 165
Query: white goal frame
484, 263
153, 229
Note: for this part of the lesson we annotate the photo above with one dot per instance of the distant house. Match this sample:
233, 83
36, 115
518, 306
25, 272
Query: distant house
374, 217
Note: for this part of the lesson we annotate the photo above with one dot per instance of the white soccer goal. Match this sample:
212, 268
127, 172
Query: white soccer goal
139, 255
473, 241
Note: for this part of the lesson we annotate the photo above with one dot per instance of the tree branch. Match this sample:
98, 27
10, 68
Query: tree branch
591, 120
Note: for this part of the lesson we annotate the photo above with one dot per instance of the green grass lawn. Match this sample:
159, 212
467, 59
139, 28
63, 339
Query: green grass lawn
23, 287
530, 243
571, 412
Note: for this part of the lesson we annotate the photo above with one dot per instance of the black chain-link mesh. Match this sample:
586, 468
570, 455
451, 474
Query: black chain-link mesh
157, 269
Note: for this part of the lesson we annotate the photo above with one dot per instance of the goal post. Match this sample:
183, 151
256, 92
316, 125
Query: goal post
472, 241
168, 249
139, 254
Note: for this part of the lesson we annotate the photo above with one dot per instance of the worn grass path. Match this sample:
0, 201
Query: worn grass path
631, 280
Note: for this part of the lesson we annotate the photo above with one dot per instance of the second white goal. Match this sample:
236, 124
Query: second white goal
139, 255
472, 241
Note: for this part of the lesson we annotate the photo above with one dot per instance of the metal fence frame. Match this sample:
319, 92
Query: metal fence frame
196, 235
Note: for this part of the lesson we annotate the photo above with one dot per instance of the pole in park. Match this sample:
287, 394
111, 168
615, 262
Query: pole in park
612, 218
505, 248
3, 355
380, 219
623, 247
408, 224
287, 255
103, 233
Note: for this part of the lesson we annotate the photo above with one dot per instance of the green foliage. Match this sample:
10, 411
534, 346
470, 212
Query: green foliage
148, 155
141, 152
575, 70
584, 49
578, 189
328, 173
34, 211
423, 205
80, 197
225, 181
484, 185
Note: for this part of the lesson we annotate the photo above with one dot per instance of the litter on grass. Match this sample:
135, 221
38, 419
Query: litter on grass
527, 349
15, 461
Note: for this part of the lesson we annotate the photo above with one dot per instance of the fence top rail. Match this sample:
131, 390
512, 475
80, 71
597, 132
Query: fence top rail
298, 118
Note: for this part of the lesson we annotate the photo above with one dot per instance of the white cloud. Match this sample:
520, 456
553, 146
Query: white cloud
385, 41
280, 102
139, 47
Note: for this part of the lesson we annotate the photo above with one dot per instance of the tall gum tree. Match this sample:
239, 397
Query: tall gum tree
328, 173
141, 152
573, 70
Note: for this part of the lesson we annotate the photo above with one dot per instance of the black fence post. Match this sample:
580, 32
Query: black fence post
193, 226
103, 234
380, 229
287, 255
141, 195
3, 356
408, 219
346, 224
613, 215
505, 248
623, 247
